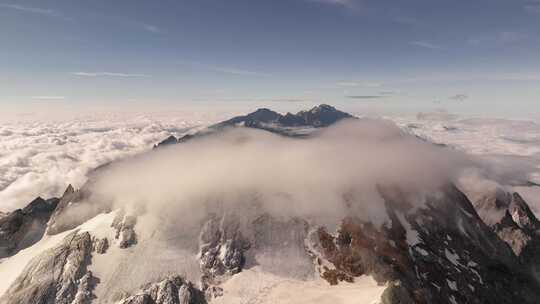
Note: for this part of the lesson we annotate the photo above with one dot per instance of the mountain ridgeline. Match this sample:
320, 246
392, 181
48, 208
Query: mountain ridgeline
451, 250
288, 125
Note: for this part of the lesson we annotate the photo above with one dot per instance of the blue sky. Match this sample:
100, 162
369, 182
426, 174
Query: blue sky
474, 55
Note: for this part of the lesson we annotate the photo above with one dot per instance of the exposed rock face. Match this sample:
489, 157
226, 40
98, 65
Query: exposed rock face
56, 224
320, 116
442, 253
57, 276
24, 227
74, 209
100, 246
173, 290
222, 248
514, 222
125, 229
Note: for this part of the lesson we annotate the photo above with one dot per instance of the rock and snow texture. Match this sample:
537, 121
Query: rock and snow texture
58, 275
437, 250
172, 290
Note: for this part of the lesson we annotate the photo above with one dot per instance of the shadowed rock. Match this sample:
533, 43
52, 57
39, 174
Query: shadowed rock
24, 227
173, 290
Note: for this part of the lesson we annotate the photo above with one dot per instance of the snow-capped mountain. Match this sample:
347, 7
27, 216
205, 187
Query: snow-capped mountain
432, 245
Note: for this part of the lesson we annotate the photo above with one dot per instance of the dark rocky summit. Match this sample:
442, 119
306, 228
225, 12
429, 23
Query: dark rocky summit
24, 227
268, 120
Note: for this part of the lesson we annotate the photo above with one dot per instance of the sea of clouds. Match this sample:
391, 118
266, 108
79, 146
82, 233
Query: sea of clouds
41, 157
509, 143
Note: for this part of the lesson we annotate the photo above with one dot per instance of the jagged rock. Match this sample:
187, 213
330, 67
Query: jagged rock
221, 249
74, 208
173, 290
125, 229
441, 253
395, 293
512, 234
24, 227
100, 246
514, 222
86, 285
57, 276
320, 116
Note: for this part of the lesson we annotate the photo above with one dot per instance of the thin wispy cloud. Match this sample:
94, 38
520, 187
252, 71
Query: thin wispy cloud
151, 28
30, 9
532, 6
410, 21
426, 45
48, 98
509, 37
236, 71
108, 74
351, 6
358, 84
345, 3
459, 97
365, 96
224, 69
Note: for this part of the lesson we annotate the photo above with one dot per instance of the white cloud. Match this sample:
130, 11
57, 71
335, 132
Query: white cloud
426, 45
29, 9
343, 3
108, 74
41, 157
296, 178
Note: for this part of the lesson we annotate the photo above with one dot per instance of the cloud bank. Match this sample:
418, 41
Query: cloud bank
40, 158
245, 171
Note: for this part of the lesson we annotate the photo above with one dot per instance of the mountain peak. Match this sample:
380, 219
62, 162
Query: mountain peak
319, 116
322, 107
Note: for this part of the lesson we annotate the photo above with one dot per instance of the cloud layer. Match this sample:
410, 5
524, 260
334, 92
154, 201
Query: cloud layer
249, 172
43, 157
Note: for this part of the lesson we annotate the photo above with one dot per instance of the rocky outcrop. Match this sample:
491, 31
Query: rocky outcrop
100, 246
513, 221
173, 290
24, 227
57, 276
125, 229
221, 250
75, 207
440, 253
